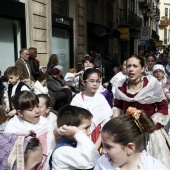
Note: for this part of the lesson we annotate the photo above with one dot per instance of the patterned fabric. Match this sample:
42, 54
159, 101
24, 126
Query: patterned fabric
12, 148
7, 142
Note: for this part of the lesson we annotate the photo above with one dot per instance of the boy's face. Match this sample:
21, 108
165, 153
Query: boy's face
43, 107
88, 64
13, 79
85, 126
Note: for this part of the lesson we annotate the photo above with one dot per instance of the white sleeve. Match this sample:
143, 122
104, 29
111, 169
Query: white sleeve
50, 139
25, 88
103, 164
108, 112
5, 97
84, 156
69, 77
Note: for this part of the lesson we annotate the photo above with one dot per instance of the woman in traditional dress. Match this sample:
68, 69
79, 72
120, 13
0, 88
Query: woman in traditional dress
145, 92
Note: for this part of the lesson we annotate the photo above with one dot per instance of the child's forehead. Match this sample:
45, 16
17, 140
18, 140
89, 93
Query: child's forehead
13, 75
87, 61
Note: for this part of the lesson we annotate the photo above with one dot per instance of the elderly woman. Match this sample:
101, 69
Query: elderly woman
58, 89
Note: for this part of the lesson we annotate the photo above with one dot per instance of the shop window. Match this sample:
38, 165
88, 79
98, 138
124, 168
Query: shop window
60, 7
10, 42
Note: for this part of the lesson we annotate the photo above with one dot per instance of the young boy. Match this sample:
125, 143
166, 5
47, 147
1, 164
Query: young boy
15, 86
75, 150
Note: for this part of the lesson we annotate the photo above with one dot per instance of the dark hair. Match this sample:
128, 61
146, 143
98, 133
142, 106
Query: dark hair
12, 71
72, 115
32, 51
32, 145
141, 59
55, 71
42, 76
124, 130
46, 98
97, 61
89, 58
53, 60
122, 61
2, 115
22, 50
150, 55
24, 100
90, 71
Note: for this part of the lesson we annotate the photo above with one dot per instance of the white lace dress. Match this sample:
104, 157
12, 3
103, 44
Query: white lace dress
147, 163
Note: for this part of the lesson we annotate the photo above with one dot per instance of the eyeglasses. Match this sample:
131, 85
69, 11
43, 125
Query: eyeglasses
93, 81
43, 162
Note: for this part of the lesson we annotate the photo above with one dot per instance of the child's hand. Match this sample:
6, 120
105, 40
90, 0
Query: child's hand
12, 113
68, 130
7, 109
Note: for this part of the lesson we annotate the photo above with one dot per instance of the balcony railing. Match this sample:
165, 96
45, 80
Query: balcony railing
130, 19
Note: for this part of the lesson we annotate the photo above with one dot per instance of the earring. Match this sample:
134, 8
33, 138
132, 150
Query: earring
128, 154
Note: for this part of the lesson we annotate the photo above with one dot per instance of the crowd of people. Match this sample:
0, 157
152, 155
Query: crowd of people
88, 118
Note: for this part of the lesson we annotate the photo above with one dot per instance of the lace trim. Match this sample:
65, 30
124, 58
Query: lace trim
160, 118
143, 160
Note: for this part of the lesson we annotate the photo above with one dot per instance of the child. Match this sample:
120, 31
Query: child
94, 102
28, 119
20, 152
3, 118
159, 74
15, 86
45, 109
40, 86
87, 62
150, 62
123, 143
72, 79
74, 150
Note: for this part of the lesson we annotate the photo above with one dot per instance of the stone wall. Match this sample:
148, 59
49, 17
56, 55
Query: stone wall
39, 28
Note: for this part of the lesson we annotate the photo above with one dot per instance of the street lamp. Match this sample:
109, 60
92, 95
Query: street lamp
145, 10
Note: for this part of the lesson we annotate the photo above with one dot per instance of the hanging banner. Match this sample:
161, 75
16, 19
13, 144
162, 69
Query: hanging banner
145, 33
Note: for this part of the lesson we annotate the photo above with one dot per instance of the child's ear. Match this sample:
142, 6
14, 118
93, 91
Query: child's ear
20, 113
48, 109
130, 148
17, 76
83, 82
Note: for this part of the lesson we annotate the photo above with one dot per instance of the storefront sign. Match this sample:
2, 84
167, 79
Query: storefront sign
159, 43
62, 21
124, 33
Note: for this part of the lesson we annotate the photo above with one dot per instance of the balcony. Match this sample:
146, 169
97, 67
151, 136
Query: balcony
131, 19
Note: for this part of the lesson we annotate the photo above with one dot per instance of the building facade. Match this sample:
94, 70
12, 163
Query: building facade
73, 28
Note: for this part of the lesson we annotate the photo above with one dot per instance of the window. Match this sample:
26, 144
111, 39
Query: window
166, 11
165, 36
60, 7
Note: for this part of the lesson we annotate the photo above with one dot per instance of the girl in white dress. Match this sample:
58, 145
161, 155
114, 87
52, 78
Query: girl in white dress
95, 102
123, 141
28, 120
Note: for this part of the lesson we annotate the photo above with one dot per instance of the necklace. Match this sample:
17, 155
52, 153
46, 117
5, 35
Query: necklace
133, 85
